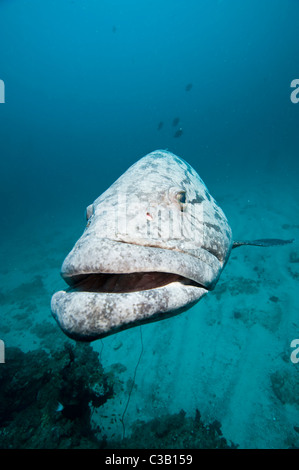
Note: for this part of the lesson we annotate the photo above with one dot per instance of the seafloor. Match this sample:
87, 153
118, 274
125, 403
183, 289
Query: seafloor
218, 375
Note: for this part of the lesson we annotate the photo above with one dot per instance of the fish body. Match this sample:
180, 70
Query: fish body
178, 133
155, 243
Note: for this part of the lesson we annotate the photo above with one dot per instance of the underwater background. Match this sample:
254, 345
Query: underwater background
91, 87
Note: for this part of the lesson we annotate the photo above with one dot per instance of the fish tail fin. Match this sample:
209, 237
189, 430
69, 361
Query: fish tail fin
263, 242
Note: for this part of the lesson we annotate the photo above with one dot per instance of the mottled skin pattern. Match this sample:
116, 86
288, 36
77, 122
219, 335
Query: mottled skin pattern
157, 217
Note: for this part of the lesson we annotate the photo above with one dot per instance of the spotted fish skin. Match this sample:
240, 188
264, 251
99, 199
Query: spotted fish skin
158, 217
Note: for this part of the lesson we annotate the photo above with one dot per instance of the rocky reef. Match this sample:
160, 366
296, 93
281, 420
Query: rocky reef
176, 431
47, 401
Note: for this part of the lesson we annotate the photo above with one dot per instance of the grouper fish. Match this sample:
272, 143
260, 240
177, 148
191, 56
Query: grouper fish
155, 243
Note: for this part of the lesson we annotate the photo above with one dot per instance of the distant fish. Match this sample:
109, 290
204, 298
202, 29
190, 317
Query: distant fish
114, 29
178, 133
60, 407
175, 121
160, 125
189, 86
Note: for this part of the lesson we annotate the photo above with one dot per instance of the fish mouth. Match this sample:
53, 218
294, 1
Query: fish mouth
115, 286
97, 305
121, 283
88, 315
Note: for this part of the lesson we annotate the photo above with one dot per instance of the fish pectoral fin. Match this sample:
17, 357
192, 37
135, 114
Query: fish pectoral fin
264, 242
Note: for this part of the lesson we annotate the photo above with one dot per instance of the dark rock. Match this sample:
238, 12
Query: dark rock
273, 298
175, 431
46, 399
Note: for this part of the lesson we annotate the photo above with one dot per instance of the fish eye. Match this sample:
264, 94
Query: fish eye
182, 199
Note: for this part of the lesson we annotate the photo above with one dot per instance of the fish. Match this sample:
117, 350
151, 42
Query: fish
175, 121
60, 407
189, 86
160, 125
178, 133
155, 243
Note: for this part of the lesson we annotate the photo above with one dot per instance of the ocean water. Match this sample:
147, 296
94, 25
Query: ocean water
89, 88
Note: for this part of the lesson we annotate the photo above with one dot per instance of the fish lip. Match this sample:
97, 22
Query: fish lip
106, 256
122, 283
88, 316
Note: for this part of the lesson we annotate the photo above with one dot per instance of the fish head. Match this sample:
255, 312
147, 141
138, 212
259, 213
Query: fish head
155, 243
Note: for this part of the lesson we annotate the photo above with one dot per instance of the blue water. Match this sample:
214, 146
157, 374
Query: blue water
86, 85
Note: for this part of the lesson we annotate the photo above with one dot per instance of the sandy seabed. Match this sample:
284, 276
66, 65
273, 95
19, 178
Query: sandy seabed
228, 356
